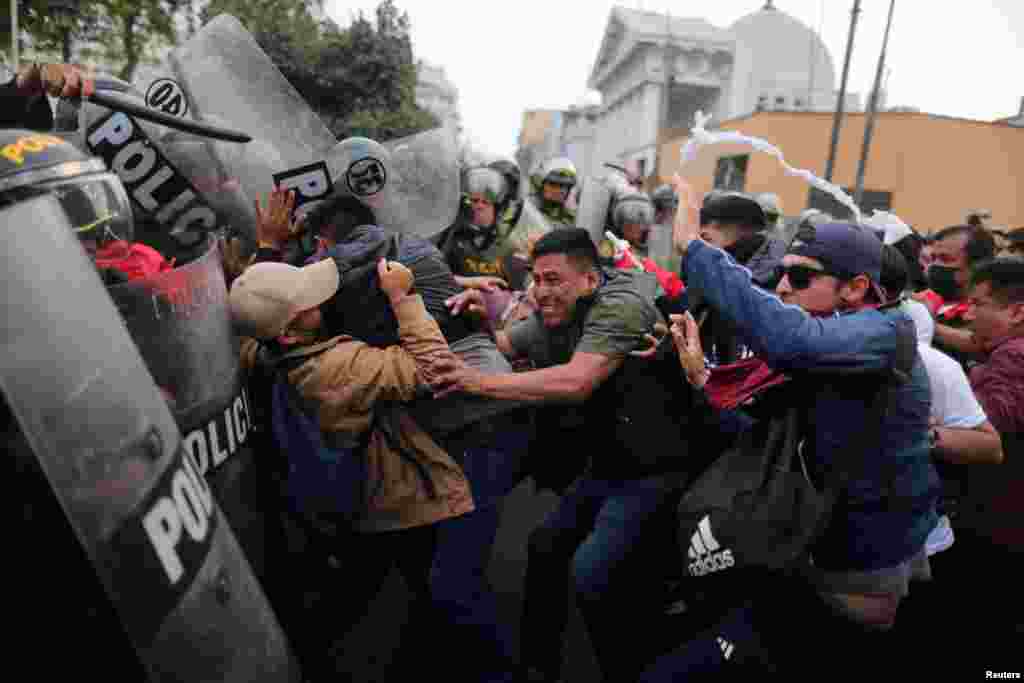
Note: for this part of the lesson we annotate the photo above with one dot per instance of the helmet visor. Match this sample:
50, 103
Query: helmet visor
97, 206
486, 182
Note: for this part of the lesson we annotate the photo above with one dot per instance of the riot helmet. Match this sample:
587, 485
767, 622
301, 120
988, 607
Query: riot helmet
93, 198
664, 198
559, 171
360, 167
772, 206
632, 217
485, 193
509, 170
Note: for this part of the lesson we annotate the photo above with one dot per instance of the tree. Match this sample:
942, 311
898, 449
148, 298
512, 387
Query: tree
361, 79
117, 33
367, 78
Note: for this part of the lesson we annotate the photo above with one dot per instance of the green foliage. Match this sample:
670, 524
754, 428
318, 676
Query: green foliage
361, 79
117, 33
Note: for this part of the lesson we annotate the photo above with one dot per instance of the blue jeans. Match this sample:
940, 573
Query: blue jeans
458, 581
593, 535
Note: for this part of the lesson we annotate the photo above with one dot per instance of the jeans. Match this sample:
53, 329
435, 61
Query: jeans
592, 536
458, 580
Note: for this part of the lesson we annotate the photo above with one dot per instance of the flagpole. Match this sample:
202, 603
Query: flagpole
872, 114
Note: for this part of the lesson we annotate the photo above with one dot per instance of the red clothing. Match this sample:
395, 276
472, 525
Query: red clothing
669, 281
999, 490
999, 386
134, 259
730, 386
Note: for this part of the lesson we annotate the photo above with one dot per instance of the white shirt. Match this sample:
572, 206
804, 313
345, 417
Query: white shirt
955, 406
953, 402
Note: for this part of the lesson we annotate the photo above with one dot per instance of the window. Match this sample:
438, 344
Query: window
873, 200
731, 172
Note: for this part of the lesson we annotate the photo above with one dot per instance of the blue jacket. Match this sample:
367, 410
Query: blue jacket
868, 530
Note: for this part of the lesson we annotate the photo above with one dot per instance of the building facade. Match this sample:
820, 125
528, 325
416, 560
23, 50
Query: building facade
927, 169
655, 71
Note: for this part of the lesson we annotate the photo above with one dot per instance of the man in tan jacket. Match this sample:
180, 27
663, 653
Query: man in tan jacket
354, 392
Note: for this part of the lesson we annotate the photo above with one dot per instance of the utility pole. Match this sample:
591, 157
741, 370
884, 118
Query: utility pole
869, 127
837, 122
14, 35
665, 95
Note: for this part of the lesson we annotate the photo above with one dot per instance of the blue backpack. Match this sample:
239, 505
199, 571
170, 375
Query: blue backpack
322, 477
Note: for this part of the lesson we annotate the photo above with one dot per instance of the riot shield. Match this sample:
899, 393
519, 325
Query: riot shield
426, 181
594, 204
180, 321
530, 225
224, 73
109, 446
596, 199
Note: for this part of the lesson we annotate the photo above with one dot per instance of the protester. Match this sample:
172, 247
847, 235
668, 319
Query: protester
829, 321
954, 251
589, 320
411, 482
737, 224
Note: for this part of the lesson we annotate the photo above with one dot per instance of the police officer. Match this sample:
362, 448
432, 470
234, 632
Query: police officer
552, 183
476, 245
93, 198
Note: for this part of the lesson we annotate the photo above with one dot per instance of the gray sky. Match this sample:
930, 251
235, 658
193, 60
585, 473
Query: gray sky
961, 59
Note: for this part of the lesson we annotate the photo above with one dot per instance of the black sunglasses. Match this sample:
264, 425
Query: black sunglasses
800, 277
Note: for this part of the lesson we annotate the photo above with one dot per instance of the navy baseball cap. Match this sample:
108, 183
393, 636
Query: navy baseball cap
842, 247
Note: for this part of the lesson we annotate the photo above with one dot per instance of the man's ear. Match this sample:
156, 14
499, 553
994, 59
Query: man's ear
854, 292
592, 280
1016, 312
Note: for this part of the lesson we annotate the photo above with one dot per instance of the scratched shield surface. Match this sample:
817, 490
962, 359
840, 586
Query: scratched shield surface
109, 447
180, 321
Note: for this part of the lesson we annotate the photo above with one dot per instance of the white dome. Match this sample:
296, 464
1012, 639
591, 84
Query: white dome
788, 58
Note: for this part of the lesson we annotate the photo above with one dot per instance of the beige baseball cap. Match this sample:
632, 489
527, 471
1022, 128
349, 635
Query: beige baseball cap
268, 296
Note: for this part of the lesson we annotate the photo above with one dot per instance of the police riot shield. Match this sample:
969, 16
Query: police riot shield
180, 321
109, 446
424, 194
180, 194
597, 199
594, 204
225, 74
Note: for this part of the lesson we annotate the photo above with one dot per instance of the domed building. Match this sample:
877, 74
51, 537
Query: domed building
780, 64
655, 71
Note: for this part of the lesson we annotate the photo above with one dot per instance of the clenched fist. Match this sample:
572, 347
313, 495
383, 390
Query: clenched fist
395, 279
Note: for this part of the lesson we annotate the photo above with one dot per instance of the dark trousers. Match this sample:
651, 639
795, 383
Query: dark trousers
332, 579
968, 618
591, 537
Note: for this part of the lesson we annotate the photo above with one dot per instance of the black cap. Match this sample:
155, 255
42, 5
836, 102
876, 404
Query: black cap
734, 208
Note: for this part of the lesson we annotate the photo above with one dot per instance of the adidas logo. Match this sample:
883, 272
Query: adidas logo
705, 554
725, 646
